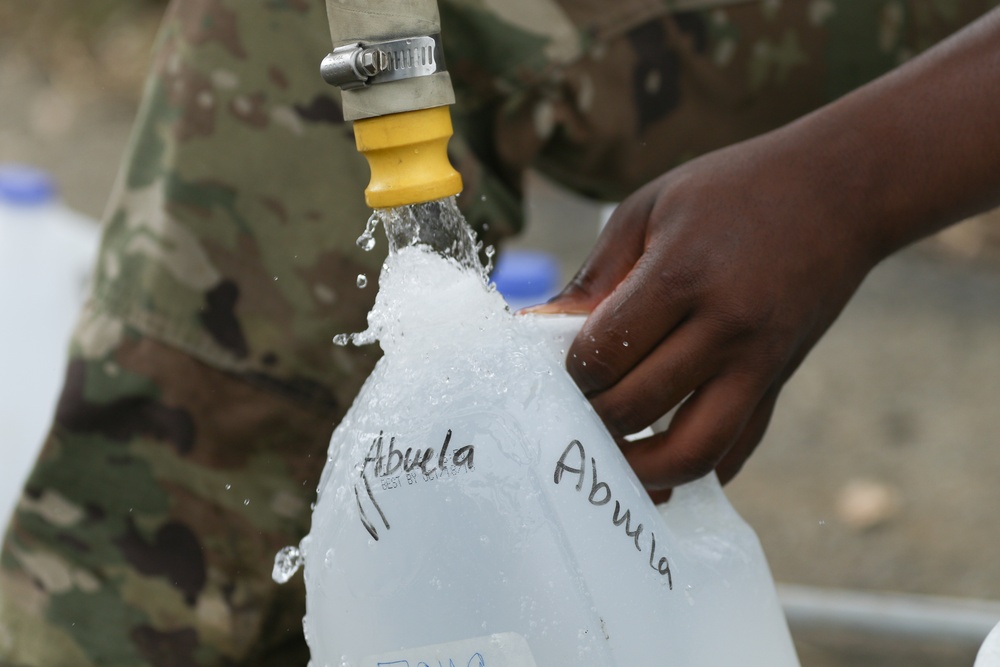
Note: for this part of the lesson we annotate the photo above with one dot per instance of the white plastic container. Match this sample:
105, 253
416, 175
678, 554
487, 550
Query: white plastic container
475, 511
46, 252
989, 652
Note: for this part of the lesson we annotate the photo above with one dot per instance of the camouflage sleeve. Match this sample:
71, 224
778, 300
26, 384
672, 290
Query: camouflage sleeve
643, 90
203, 387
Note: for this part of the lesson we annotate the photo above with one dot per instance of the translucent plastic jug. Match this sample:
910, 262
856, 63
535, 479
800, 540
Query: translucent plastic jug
46, 252
475, 511
989, 652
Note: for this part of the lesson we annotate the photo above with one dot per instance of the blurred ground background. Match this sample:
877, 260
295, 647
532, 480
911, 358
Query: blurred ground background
879, 472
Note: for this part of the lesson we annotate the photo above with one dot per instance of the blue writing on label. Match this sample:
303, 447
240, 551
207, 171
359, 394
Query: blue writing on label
476, 660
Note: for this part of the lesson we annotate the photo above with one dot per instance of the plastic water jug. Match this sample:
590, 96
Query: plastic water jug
475, 511
46, 252
989, 652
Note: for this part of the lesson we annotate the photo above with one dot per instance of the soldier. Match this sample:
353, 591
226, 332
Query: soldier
203, 387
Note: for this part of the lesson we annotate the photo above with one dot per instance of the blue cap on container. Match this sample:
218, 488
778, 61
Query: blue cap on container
526, 274
21, 185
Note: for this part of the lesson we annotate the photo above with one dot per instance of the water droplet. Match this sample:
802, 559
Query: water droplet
490, 252
276, 279
624, 343
362, 280
228, 486
246, 501
341, 339
286, 563
367, 239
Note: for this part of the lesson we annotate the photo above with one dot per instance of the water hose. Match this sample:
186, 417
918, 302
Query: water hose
387, 61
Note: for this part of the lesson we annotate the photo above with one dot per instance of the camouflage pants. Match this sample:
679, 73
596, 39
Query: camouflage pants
203, 387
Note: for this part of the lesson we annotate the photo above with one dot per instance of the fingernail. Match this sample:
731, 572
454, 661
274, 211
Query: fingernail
555, 308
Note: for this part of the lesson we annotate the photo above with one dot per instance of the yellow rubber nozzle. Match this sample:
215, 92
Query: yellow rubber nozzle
408, 156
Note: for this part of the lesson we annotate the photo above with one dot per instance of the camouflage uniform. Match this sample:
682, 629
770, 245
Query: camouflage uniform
203, 387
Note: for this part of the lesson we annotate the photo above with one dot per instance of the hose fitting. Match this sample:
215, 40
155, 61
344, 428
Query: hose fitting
408, 156
389, 64
358, 65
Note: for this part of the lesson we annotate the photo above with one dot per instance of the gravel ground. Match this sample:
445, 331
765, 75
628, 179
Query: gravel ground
879, 470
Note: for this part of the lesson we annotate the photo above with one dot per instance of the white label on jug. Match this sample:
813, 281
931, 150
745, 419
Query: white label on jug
391, 465
506, 649
574, 462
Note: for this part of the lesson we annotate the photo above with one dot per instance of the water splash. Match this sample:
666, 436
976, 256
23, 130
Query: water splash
436, 225
286, 563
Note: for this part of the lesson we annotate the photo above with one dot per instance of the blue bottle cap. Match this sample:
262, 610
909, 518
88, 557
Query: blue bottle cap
21, 185
523, 275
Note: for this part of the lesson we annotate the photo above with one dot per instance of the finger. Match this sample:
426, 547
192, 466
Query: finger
748, 440
617, 249
680, 364
701, 434
661, 496
627, 325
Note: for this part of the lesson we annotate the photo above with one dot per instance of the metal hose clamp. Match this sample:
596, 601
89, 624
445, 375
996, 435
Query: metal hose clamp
359, 65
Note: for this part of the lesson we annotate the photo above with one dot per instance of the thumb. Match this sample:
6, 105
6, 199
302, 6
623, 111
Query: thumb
614, 255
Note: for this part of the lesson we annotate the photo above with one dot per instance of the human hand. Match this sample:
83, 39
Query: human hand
712, 283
